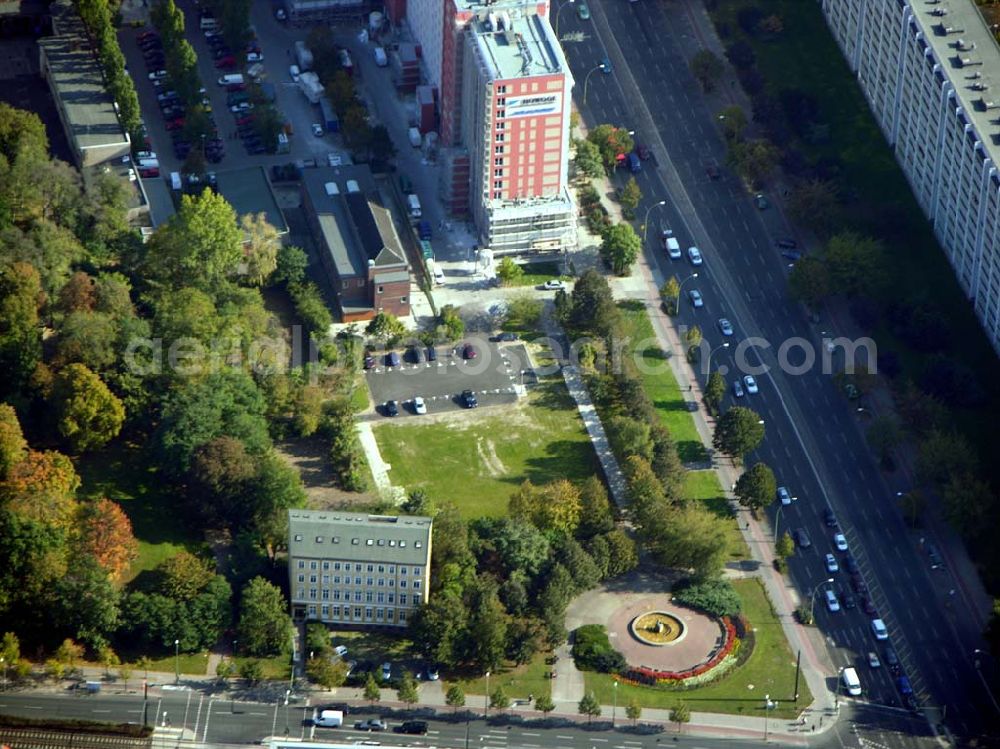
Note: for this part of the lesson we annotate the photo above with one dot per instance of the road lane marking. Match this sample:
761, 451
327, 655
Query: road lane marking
524, 733
561, 736
100, 711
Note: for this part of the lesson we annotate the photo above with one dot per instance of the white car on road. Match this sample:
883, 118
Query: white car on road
696, 301
751, 382
694, 255
553, 284
419, 406
725, 326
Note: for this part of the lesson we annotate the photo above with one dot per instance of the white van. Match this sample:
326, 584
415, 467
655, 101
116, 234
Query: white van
328, 718
852, 684
175, 181
414, 203
232, 78
436, 272
673, 248
149, 164
209, 24
831, 601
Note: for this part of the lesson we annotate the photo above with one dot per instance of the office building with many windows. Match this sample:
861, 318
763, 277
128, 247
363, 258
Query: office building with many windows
352, 569
930, 70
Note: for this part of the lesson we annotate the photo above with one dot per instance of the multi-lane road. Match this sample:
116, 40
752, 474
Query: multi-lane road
814, 443
190, 717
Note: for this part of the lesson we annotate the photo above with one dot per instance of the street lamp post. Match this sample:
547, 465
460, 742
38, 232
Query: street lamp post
767, 706
487, 700
680, 288
777, 518
712, 353
614, 707
177, 661
586, 80
559, 13
812, 598
982, 678
645, 221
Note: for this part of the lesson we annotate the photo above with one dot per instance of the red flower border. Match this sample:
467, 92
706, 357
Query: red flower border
651, 676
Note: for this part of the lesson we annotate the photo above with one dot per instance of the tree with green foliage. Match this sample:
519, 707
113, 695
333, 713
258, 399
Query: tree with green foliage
715, 391
454, 697
734, 122
385, 327
544, 704
785, 546
264, 627
809, 281
251, 671
942, 455
969, 503
88, 413
20, 332
326, 672
372, 691
407, 692
311, 308
595, 509
856, 264
290, 265
438, 628
260, 249
688, 536
200, 246
756, 487
552, 507
670, 293
754, 160
692, 339
814, 204
451, 326
499, 699
680, 714
487, 631
612, 142
633, 710
508, 271
588, 159
620, 248
226, 670
13, 445
739, 431
630, 197
524, 311
883, 436
589, 706
707, 68
86, 602
355, 128
592, 306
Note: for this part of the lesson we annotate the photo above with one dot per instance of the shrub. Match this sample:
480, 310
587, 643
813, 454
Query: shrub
592, 650
715, 597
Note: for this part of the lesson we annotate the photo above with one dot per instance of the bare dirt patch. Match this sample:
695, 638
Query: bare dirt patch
309, 457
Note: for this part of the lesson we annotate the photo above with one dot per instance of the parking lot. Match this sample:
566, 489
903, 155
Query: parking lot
492, 375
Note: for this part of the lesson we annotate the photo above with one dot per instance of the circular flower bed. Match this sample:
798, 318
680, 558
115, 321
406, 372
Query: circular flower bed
657, 628
721, 661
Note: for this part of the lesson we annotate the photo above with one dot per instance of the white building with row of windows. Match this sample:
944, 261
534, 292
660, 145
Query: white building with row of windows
354, 569
931, 72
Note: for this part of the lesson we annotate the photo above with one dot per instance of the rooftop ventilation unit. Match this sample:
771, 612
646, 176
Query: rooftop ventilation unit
331, 188
963, 46
939, 12
978, 86
352, 186
965, 62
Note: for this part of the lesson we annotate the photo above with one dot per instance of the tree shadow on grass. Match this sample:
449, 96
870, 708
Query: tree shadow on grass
563, 459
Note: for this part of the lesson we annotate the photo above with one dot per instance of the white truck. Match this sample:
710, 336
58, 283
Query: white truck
303, 56
328, 718
415, 138
311, 87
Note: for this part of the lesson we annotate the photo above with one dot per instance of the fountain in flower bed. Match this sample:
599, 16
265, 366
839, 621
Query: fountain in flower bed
657, 628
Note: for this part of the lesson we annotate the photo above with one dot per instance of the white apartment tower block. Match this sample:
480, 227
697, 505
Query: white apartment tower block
930, 70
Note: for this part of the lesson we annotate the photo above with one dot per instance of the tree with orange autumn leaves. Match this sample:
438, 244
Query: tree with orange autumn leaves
106, 534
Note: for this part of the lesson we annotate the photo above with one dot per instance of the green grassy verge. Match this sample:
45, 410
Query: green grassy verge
705, 487
536, 274
477, 462
518, 682
769, 670
123, 474
276, 667
659, 382
189, 663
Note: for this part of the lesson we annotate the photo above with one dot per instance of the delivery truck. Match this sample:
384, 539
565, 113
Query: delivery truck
311, 87
303, 56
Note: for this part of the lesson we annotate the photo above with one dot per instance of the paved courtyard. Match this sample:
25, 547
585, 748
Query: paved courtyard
617, 604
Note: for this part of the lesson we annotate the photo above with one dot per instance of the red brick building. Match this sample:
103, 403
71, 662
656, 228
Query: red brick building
357, 242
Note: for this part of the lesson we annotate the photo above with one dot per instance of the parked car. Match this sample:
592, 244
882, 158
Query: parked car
786, 243
784, 496
294, 73
317, 129
432, 353
840, 541
158, 75
391, 408
831, 563
696, 301
725, 327
873, 659
738, 388
419, 405
415, 354
387, 671
751, 382
694, 255
829, 518
469, 351
553, 284
469, 399
642, 151
374, 724
226, 62
879, 629
392, 359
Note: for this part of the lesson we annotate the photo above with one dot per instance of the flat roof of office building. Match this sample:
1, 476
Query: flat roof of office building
517, 45
249, 191
79, 82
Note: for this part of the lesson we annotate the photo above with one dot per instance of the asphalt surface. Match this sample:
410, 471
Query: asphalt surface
815, 439
492, 376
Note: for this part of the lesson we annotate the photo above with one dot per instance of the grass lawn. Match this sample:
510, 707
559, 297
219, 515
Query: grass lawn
517, 682
276, 667
704, 486
536, 274
359, 396
770, 670
190, 663
661, 385
122, 473
477, 461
